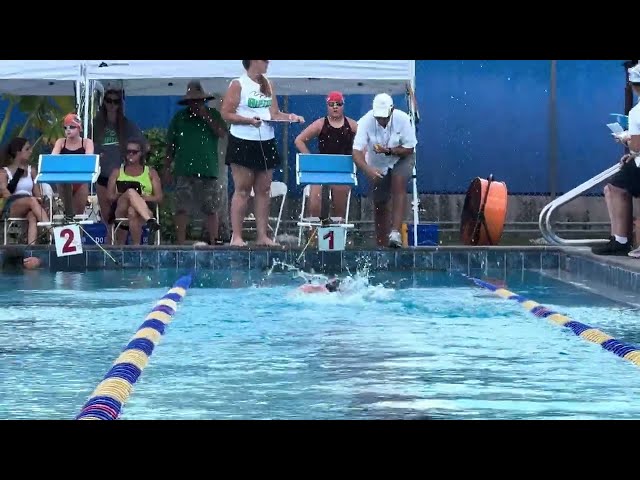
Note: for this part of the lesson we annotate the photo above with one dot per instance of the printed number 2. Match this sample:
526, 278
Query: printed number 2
68, 233
329, 235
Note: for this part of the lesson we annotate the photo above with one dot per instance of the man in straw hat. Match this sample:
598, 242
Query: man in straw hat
192, 150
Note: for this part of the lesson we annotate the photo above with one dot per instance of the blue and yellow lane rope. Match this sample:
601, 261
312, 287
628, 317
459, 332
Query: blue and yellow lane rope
623, 350
107, 400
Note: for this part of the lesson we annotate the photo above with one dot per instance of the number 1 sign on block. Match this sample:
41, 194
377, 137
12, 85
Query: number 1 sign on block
68, 240
331, 239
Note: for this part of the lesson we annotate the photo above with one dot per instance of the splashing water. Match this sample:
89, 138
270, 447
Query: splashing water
356, 286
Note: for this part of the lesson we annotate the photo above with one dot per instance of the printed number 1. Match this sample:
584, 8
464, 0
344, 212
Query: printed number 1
329, 235
68, 233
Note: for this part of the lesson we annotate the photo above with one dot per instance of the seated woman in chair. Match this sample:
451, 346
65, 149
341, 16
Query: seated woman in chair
74, 196
22, 198
135, 190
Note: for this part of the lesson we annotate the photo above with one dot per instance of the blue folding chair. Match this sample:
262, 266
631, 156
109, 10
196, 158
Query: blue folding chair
65, 169
320, 169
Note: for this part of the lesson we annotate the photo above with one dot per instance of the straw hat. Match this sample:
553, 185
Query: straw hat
195, 92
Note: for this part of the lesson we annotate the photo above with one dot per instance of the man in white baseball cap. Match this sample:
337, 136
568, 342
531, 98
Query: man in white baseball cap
625, 184
390, 139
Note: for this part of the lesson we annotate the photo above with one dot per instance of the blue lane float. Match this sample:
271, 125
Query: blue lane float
107, 400
621, 349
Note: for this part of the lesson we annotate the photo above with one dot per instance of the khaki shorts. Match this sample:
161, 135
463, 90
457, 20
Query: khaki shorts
381, 190
195, 194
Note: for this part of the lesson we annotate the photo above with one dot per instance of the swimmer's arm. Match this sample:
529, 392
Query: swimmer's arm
308, 134
230, 105
88, 146
275, 112
57, 147
353, 124
409, 142
156, 196
112, 189
37, 191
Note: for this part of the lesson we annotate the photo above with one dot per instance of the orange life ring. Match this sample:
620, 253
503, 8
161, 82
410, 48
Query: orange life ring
484, 212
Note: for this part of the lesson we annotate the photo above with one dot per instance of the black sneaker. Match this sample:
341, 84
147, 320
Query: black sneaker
612, 248
153, 226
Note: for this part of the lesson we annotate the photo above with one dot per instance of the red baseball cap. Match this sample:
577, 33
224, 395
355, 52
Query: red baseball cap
335, 97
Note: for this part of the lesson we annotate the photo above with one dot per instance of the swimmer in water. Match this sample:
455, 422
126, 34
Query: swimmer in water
332, 286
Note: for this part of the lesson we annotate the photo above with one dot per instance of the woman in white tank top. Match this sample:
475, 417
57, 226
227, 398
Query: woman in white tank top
252, 152
18, 191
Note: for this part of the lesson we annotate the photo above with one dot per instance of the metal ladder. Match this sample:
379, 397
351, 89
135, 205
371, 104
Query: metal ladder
544, 221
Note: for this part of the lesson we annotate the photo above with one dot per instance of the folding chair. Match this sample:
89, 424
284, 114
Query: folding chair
319, 169
119, 222
9, 224
65, 169
278, 189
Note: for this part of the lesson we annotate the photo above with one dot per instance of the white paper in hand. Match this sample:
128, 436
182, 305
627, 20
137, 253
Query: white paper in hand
615, 128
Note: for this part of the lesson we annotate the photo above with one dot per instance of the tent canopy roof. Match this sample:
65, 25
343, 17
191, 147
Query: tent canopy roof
290, 77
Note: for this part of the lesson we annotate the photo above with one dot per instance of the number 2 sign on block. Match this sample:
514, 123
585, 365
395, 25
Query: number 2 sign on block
331, 239
68, 240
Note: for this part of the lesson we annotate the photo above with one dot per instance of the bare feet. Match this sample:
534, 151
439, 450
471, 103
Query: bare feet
237, 242
266, 242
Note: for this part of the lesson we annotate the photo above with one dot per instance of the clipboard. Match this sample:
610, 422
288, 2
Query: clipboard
277, 121
123, 186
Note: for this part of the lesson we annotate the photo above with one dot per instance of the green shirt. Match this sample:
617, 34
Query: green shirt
195, 144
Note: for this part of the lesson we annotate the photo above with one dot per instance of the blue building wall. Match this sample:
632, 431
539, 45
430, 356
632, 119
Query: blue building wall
481, 117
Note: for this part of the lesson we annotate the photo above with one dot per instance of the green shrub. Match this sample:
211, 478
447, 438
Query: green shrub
158, 146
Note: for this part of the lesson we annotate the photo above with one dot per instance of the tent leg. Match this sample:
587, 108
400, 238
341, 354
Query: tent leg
415, 202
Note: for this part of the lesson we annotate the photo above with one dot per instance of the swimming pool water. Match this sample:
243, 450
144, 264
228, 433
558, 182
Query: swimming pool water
249, 346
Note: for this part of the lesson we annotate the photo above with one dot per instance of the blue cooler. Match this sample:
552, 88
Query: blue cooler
145, 236
428, 234
97, 230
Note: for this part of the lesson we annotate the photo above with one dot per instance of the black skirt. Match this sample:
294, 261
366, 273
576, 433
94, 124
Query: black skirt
253, 154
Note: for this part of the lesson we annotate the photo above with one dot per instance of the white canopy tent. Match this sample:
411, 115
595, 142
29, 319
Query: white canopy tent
40, 77
290, 77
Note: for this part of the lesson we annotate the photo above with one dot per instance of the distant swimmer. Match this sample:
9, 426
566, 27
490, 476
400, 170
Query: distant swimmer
331, 286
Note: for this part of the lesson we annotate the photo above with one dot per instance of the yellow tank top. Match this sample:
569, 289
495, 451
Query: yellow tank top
144, 180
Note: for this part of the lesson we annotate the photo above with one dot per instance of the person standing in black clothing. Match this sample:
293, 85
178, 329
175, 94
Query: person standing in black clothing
335, 133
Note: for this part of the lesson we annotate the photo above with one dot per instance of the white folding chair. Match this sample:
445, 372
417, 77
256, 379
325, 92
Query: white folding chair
316, 220
278, 189
9, 224
321, 169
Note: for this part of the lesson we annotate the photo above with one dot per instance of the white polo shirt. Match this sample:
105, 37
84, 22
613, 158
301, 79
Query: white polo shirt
634, 120
399, 132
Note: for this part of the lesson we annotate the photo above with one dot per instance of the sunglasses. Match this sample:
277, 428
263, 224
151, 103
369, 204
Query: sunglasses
335, 104
133, 152
69, 127
112, 101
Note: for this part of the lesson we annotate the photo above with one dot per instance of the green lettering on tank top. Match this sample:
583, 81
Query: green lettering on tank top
259, 102
110, 137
